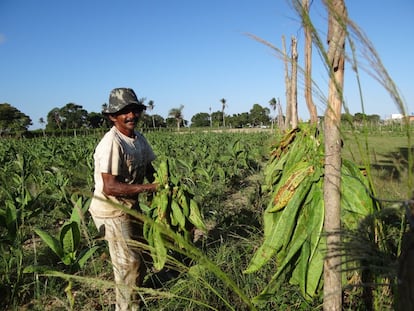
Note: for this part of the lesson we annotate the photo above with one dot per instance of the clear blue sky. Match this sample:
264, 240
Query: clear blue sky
183, 52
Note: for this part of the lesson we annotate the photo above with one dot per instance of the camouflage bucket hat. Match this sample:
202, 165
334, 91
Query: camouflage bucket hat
120, 98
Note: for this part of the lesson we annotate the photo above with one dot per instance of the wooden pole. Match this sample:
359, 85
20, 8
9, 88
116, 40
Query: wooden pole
332, 179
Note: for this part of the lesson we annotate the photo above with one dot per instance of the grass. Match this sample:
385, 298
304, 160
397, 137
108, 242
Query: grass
380, 149
388, 158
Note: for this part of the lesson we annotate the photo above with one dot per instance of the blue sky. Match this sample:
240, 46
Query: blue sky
183, 52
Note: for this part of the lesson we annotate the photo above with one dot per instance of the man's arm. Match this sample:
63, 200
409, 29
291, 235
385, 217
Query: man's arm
118, 189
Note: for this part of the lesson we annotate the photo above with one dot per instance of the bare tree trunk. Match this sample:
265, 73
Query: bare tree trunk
280, 122
332, 180
288, 87
293, 83
308, 65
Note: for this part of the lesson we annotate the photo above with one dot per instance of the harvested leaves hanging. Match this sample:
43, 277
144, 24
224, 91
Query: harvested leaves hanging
293, 219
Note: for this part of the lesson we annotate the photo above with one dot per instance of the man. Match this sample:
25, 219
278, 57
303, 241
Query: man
122, 162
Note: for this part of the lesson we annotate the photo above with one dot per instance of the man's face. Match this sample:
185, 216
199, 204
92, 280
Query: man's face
127, 118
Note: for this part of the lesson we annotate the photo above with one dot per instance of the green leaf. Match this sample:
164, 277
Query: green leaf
53, 243
70, 237
11, 215
355, 199
287, 228
68, 259
160, 251
278, 230
185, 164
318, 207
195, 216
184, 198
77, 208
300, 273
308, 224
315, 269
177, 214
85, 255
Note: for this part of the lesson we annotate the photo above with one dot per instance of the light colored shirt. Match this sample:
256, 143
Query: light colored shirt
124, 157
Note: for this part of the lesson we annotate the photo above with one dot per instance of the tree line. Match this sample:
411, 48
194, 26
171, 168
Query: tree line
73, 116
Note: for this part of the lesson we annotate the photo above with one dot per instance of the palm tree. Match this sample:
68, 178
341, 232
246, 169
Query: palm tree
151, 107
42, 121
211, 119
273, 104
223, 106
177, 114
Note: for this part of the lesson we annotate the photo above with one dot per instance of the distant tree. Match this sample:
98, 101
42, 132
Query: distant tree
359, 118
239, 120
95, 120
177, 114
201, 119
151, 106
273, 105
152, 121
159, 120
12, 119
347, 118
216, 118
259, 115
211, 120
53, 120
42, 121
73, 116
171, 122
374, 118
145, 121
223, 106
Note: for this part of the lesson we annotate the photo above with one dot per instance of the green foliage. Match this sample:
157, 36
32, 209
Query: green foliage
259, 115
67, 245
173, 205
12, 120
201, 119
293, 220
55, 177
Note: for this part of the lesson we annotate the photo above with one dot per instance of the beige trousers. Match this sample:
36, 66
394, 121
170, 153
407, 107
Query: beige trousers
127, 260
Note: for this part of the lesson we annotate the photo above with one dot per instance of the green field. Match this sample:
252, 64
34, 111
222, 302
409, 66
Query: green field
43, 179
389, 157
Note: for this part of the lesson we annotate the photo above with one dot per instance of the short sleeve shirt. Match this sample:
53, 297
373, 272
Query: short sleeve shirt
124, 157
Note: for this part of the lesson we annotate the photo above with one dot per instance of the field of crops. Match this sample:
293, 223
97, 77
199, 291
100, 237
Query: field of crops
45, 190
43, 179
